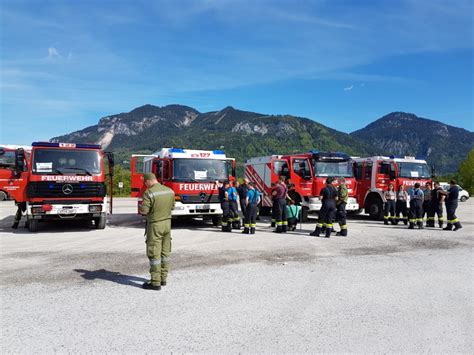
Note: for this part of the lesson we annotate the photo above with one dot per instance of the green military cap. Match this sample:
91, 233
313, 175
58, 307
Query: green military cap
149, 176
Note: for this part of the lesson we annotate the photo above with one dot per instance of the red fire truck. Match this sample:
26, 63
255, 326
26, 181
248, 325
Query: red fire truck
307, 173
374, 174
12, 183
65, 181
191, 174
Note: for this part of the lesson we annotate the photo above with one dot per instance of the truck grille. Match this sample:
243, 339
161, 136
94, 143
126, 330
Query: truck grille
65, 189
207, 198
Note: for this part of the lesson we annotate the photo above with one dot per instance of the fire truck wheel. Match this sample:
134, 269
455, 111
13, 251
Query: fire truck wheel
33, 225
99, 222
217, 221
3, 196
375, 208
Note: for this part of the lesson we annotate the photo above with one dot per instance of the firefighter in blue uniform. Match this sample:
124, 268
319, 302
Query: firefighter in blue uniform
437, 199
224, 200
416, 207
451, 205
242, 190
234, 210
427, 205
328, 209
251, 208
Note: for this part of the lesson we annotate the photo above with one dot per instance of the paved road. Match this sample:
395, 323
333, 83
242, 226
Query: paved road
382, 289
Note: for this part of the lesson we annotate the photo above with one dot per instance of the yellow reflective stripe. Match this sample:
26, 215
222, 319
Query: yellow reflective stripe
253, 225
344, 226
329, 225
246, 225
319, 225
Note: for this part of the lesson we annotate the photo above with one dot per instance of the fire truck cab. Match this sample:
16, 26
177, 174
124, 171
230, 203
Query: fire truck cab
192, 174
306, 173
12, 182
66, 181
374, 174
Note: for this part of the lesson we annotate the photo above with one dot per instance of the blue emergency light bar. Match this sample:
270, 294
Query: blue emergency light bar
176, 150
329, 155
218, 152
66, 145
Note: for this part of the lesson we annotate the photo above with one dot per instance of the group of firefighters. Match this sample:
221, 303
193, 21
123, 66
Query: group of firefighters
427, 201
285, 211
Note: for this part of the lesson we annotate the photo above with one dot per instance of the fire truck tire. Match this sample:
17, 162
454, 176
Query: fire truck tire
33, 225
99, 222
375, 208
3, 196
463, 199
216, 221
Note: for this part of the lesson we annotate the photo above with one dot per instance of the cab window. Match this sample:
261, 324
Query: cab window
301, 167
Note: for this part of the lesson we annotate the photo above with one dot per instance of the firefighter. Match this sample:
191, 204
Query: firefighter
21, 208
416, 207
389, 211
401, 205
251, 200
234, 210
274, 207
280, 195
242, 191
451, 203
427, 205
341, 214
328, 209
158, 201
224, 200
437, 198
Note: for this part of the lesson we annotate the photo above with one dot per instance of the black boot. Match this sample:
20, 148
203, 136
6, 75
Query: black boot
273, 224
342, 233
419, 224
316, 232
149, 286
284, 228
449, 227
412, 225
252, 230
441, 224
278, 229
385, 221
405, 221
328, 232
395, 221
246, 230
15, 225
457, 226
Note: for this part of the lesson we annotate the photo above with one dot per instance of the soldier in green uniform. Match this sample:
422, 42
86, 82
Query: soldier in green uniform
158, 201
341, 202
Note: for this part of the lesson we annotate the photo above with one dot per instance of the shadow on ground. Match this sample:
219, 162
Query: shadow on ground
112, 276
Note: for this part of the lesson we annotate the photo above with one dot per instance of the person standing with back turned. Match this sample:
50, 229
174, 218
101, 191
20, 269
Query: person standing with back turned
451, 205
158, 202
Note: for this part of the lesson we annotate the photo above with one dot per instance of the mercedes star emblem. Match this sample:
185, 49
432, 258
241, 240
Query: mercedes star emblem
203, 196
67, 189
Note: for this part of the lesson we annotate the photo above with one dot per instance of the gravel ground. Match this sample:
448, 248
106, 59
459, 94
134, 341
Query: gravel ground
70, 288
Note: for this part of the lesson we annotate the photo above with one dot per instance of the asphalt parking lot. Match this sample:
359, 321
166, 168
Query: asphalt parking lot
70, 288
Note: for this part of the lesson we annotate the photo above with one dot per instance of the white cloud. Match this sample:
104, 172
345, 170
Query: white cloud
53, 53
349, 88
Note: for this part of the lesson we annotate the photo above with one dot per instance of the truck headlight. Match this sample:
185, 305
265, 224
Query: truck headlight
95, 208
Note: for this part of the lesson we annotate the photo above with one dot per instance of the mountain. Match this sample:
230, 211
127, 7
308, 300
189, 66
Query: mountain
400, 133
245, 134
242, 134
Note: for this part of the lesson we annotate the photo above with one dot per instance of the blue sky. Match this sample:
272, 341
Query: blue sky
65, 64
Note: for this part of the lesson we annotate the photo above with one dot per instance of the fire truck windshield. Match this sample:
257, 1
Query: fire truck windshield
66, 161
413, 170
199, 170
332, 168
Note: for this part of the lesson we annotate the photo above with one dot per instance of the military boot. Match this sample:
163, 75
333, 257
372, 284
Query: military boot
148, 286
316, 232
449, 227
252, 230
457, 226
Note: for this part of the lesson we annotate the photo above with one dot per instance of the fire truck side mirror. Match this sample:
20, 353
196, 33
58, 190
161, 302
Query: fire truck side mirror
110, 157
19, 161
